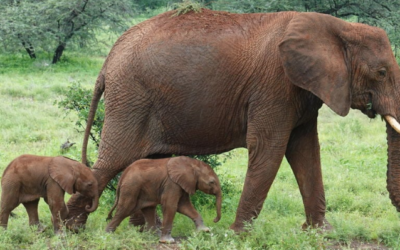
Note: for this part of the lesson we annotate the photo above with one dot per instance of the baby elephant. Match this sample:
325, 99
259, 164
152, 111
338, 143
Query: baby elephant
29, 177
168, 182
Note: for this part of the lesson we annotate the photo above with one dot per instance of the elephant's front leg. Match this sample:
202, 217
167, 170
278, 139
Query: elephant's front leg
169, 205
186, 207
266, 151
59, 212
303, 155
58, 208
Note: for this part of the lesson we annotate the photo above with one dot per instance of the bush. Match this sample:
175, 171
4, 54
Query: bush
77, 100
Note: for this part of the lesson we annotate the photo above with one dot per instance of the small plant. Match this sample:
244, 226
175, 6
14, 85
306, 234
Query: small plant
187, 6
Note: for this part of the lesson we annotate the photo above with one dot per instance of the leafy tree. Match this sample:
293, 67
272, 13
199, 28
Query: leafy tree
51, 25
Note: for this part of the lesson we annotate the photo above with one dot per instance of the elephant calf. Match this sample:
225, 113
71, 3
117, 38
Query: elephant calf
29, 177
169, 182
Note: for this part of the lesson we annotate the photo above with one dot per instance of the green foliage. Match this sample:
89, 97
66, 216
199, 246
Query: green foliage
78, 100
50, 25
153, 4
187, 6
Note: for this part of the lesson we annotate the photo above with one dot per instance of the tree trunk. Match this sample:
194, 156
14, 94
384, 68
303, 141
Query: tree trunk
58, 53
29, 49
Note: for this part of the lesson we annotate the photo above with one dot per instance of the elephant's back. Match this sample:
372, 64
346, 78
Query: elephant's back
143, 169
29, 174
27, 163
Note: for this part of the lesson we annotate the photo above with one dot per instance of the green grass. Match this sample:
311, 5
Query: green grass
353, 152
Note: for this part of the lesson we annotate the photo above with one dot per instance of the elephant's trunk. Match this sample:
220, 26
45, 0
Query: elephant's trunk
95, 204
393, 172
218, 202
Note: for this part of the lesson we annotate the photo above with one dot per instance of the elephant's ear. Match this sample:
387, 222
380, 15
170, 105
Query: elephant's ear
62, 171
313, 55
182, 173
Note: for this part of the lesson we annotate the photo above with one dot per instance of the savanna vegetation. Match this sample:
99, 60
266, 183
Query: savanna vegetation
36, 118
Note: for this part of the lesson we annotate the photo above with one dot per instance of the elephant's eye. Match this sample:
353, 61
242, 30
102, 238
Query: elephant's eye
382, 72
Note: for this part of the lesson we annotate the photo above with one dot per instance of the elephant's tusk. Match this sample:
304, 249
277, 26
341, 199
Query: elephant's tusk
393, 122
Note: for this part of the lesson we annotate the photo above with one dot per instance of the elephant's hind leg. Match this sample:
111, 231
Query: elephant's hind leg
9, 201
303, 155
32, 210
127, 202
120, 215
137, 220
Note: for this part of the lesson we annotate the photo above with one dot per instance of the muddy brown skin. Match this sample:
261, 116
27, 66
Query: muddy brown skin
208, 82
29, 177
169, 182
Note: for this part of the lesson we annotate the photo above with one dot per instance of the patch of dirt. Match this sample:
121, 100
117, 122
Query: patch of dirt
357, 245
174, 246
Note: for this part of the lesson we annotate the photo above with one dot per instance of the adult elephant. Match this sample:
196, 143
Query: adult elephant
204, 83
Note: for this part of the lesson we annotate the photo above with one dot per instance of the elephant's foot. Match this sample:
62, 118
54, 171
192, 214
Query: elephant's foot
137, 219
153, 229
110, 230
238, 227
166, 239
203, 228
323, 225
77, 215
40, 228
76, 223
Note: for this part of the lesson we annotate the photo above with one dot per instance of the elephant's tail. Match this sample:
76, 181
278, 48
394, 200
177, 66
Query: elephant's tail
109, 217
98, 91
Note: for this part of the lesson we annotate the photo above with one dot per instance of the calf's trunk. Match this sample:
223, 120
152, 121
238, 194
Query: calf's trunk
218, 202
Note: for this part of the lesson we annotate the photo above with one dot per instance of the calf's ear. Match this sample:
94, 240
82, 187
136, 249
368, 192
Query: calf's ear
61, 170
182, 173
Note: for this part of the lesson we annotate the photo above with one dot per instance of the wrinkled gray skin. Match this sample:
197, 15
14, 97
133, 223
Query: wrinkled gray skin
208, 82
169, 182
29, 177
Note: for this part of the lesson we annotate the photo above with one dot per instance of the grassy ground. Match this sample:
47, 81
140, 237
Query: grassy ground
353, 153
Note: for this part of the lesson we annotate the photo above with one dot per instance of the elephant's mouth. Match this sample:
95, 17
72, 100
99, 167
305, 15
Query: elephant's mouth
363, 102
371, 113
369, 108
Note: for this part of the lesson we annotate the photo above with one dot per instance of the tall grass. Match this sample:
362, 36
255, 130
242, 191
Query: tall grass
353, 152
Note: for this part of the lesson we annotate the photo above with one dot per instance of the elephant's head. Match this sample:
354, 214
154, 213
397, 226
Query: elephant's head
192, 174
347, 65
73, 177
